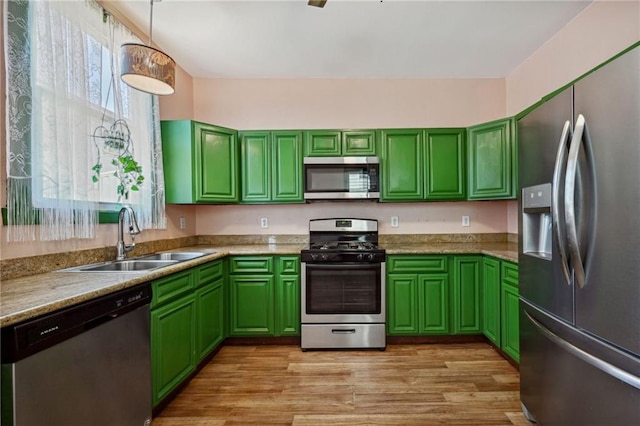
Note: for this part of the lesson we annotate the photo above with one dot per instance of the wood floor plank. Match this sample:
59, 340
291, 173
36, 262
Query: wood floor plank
430, 384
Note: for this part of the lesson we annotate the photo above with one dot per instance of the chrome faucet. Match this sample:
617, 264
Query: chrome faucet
121, 247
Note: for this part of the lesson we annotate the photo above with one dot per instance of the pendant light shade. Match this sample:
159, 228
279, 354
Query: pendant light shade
146, 68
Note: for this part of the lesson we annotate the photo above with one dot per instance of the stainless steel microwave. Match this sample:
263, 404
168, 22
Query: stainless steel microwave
341, 178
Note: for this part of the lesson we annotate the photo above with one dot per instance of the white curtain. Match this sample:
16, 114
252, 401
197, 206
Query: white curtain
81, 120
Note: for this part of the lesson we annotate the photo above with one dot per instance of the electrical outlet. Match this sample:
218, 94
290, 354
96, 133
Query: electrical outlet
183, 222
272, 239
264, 222
465, 220
394, 221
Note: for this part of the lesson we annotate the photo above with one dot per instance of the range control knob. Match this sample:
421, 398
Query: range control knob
360, 256
314, 256
370, 256
324, 256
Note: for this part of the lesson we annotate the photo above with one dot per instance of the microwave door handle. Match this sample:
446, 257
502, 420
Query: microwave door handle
558, 178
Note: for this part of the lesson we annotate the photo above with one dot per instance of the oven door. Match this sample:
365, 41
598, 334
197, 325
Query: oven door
343, 292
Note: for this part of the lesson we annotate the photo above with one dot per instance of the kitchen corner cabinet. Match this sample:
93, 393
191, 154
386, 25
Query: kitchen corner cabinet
418, 295
466, 294
200, 163
337, 143
271, 167
423, 164
492, 160
187, 323
264, 295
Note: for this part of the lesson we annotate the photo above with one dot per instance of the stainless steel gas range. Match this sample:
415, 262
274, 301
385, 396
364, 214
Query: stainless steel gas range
343, 286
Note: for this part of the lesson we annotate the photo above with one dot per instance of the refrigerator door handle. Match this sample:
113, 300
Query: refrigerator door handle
580, 134
596, 362
558, 177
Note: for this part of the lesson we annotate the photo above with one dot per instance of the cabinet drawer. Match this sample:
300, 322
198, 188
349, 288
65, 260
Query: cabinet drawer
510, 273
172, 286
209, 272
417, 264
250, 264
288, 265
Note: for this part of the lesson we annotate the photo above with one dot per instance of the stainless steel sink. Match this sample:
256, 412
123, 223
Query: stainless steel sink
179, 256
133, 265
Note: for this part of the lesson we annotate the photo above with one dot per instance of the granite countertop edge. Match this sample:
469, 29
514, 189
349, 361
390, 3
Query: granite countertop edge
28, 297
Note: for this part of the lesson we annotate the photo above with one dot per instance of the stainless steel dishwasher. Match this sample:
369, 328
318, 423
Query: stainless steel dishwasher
88, 364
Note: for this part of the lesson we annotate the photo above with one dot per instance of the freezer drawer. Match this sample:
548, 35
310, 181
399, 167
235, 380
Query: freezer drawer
344, 336
562, 385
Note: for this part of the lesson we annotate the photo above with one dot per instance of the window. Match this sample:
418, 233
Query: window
87, 141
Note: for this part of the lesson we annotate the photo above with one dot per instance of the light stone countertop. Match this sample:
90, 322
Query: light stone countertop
31, 296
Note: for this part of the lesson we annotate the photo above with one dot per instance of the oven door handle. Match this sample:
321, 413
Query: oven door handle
343, 266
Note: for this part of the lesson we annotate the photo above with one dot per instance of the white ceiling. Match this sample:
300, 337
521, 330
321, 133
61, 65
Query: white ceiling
351, 39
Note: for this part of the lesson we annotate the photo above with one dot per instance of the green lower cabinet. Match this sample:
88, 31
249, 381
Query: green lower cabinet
510, 322
491, 299
264, 296
288, 305
433, 295
251, 305
210, 319
173, 345
466, 295
402, 304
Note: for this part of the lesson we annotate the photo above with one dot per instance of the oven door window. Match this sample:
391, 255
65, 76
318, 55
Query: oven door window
343, 289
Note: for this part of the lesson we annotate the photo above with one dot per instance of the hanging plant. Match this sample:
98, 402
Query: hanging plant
116, 140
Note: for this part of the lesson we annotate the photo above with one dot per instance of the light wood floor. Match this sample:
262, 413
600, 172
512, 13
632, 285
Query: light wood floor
453, 384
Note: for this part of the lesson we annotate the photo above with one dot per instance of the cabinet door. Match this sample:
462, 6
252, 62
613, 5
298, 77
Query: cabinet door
251, 305
359, 143
210, 317
402, 165
510, 322
216, 168
402, 304
491, 299
288, 305
173, 345
286, 169
255, 166
490, 160
445, 164
466, 294
323, 143
178, 161
433, 294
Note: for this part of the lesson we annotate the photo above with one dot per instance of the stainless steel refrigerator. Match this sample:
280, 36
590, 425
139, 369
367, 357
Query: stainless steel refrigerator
579, 251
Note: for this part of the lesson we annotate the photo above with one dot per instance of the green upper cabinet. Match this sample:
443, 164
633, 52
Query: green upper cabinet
336, 143
423, 164
445, 164
492, 160
402, 165
200, 163
271, 165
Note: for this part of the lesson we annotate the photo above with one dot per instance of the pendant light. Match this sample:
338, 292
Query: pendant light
146, 68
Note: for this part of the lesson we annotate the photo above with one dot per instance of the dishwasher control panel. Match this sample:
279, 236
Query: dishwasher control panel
26, 338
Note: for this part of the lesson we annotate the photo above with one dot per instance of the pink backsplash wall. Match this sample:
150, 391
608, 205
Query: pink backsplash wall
603, 29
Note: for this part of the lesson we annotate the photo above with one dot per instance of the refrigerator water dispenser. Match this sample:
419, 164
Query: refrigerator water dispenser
536, 221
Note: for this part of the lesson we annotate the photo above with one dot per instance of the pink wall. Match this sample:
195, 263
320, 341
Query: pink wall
599, 32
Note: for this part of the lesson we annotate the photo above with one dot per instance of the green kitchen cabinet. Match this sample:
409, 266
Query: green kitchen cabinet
337, 143
418, 295
173, 345
271, 166
492, 160
423, 164
200, 163
491, 324
445, 164
466, 294
210, 309
251, 305
264, 298
402, 165
510, 310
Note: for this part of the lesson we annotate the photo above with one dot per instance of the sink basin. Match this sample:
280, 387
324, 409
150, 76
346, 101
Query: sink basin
133, 265
179, 256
